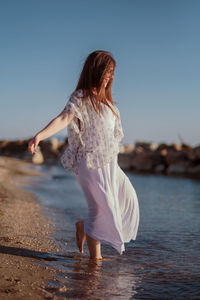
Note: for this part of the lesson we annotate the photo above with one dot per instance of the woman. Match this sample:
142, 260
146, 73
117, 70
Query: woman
94, 135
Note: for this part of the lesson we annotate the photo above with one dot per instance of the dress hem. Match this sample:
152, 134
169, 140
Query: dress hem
119, 250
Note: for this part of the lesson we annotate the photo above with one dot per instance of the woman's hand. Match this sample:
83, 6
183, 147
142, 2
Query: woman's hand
33, 143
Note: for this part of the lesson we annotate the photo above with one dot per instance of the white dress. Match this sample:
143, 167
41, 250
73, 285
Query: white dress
113, 209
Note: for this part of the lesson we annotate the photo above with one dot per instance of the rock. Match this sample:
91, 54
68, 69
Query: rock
163, 152
61, 146
143, 146
176, 169
53, 144
197, 153
124, 160
191, 155
194, 171
160, 168
128, 148
139, 149
186, 146
177, 158
162, 146
38, 157
146, 161
142, 163
3, 144
177, 147
153, 146
13, 148
28, 156
48, 153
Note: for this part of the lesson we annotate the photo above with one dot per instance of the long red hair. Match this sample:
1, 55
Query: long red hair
92, 76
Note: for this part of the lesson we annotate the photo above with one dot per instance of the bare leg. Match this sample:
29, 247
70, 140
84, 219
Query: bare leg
80, 235
94, 247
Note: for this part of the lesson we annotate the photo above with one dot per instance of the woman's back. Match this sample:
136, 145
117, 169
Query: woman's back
91, 153
95, 136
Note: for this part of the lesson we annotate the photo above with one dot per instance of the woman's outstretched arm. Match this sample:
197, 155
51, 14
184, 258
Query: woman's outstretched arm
54, 126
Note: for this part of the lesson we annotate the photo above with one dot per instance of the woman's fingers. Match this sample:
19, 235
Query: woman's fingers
33, 143
32, 146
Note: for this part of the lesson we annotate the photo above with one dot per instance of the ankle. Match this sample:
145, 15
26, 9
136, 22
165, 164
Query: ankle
96, 257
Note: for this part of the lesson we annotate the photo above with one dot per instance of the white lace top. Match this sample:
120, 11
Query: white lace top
96, 137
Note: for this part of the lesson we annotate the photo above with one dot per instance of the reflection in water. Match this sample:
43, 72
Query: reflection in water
161, 264
94, 279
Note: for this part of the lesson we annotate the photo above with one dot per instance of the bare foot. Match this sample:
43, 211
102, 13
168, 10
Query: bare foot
80, 235
96, 257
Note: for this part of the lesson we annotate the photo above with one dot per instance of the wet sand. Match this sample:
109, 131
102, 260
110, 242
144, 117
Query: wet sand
25, 236
159, 265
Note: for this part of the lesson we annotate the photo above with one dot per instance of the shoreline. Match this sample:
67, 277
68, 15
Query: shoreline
25, 236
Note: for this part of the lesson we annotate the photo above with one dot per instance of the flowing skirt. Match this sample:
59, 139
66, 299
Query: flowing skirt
113, 209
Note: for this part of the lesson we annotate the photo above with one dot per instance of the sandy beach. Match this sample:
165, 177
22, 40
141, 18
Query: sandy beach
158, 265
25, 234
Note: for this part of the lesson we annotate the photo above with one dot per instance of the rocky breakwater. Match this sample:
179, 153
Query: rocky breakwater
143, 158
48, 151
175, 159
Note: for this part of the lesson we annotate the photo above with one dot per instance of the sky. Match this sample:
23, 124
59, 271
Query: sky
155, 43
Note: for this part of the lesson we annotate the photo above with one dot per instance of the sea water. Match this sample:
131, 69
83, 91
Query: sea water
163, 261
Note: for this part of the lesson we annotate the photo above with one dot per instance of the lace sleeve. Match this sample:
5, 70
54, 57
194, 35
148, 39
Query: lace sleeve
118, 131
74, 104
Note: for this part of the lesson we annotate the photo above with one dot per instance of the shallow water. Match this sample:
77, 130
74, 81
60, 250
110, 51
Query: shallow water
163, 262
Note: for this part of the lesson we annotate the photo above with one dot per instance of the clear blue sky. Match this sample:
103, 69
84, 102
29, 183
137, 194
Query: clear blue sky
155, 43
